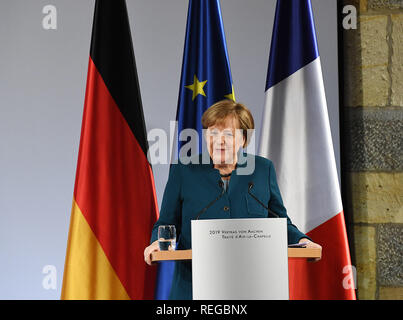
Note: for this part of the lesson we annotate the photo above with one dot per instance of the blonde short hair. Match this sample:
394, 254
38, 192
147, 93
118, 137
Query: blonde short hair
219, 111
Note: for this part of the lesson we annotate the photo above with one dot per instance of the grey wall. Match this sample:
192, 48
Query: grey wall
42, 87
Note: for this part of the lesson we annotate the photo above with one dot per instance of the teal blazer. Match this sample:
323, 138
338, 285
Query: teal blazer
191, 187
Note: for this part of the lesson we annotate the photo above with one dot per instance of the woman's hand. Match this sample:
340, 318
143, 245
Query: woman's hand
310, 244
147, 252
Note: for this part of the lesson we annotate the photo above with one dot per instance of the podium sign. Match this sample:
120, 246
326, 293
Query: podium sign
240, 259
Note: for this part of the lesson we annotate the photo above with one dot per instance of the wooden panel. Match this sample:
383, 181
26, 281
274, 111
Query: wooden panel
187, 254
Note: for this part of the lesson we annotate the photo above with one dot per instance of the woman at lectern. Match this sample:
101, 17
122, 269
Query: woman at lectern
221, 184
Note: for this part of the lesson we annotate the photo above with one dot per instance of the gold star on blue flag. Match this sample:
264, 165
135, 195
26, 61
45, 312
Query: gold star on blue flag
197, 87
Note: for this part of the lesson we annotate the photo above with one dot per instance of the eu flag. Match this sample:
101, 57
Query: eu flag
205, 79
206, 75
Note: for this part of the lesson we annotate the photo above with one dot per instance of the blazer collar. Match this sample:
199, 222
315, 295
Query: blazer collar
206, 161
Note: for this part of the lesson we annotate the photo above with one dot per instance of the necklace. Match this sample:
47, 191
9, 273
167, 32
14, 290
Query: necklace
225, 175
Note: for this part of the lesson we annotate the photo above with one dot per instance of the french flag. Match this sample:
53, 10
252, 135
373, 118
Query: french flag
296, 137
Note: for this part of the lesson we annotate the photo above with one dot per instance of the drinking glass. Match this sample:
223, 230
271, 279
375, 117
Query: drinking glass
167, 237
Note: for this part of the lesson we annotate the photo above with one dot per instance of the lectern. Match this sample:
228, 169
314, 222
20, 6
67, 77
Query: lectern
239, 259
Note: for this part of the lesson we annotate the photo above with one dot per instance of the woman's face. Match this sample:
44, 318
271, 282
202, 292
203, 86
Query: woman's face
224, 139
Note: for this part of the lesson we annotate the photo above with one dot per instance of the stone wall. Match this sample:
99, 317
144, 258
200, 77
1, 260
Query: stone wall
372, 145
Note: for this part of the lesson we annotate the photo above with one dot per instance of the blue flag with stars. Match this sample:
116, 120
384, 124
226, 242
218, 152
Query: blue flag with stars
205, 79
206, 75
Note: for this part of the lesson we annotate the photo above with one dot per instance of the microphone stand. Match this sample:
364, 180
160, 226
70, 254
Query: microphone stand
221, 184
250, 186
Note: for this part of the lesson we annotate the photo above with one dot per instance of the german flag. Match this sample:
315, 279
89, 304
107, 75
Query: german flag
114, 205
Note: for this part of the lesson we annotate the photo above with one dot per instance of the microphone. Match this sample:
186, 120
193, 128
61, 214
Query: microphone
250, 186
221, 184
